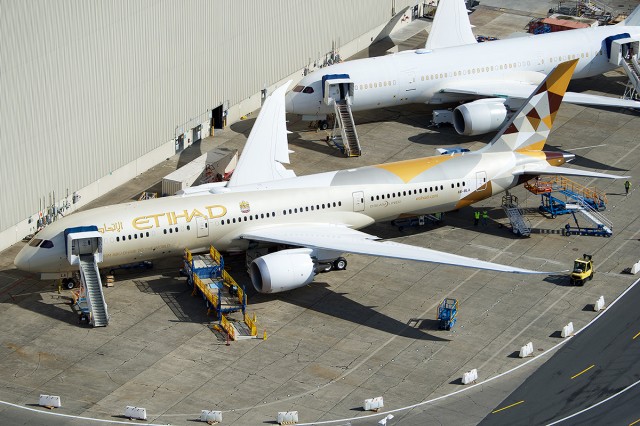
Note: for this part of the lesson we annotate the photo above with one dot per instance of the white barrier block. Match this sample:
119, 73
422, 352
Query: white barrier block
211, 417
373, 404
135, 412
567, 330
469, 377
526, 350
599, 305
50, 401
635, 268
287, 417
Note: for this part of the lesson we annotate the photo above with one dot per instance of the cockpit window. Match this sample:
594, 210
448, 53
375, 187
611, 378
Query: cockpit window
35, 242
298, 88
308, 89
46, 244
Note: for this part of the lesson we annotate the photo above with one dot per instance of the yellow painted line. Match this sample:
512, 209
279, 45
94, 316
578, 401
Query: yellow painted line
631, 424
634, 337
583, 371
508, 406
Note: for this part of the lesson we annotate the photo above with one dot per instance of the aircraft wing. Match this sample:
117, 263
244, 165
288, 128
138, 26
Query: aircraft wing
523, 89
346, 240
539, 169
266, 149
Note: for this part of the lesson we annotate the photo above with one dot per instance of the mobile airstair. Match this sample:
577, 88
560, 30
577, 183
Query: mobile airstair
578, 199
603, 227
338, 89
622, 50
84, 248
349, 141
519, 224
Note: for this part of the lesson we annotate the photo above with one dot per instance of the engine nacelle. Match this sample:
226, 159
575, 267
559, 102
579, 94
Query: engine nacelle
479, 117
283, 270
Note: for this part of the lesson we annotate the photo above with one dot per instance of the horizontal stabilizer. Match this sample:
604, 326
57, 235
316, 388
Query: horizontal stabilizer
540, 169
345, 240
597, 100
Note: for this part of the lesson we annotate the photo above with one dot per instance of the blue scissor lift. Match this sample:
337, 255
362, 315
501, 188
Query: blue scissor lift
447, 313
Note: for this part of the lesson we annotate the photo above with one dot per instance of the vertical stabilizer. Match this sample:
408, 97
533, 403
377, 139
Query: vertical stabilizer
632, 20
528, 129
451, 26
266, 148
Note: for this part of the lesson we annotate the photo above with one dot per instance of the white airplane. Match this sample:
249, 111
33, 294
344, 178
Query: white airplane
265, 204
492, 78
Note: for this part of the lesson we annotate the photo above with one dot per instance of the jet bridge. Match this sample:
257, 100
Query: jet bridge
622, 50
337, 89
83, 246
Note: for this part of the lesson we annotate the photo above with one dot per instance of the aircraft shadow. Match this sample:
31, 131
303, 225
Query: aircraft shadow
581, 161
318, 297
178, 297
37, 296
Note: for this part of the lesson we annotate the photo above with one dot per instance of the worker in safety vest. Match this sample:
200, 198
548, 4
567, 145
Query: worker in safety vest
485, 216
476, 217
627, 186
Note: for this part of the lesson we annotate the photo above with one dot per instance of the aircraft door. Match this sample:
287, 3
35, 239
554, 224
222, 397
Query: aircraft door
358, 201
409, 80
202, 226
481, 181
333, 93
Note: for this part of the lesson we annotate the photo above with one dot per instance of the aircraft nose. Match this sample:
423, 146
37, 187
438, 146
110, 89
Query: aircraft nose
22, 261
288, 99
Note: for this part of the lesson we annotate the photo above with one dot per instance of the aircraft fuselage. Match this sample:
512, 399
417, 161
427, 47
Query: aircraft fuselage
150, 229
419, 76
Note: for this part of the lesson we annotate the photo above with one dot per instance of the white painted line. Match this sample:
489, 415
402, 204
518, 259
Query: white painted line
587, 147
49, 413
595, 405
548, 351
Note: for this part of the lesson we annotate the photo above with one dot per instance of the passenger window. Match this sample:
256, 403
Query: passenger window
135, 236
117, 239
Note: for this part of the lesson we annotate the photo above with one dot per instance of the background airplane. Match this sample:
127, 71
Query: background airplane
492, 78
265, 205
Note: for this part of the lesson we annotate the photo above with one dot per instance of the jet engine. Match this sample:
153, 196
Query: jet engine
283, 270
479, 117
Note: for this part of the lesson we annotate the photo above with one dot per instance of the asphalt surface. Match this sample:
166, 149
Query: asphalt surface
596, 364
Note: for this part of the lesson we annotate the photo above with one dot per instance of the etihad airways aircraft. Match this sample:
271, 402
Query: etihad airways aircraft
490, 78
317, 215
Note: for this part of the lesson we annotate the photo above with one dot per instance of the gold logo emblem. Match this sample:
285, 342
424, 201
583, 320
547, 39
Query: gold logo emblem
244, 207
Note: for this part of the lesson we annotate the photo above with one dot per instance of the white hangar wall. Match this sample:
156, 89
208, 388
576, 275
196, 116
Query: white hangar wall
94, 92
